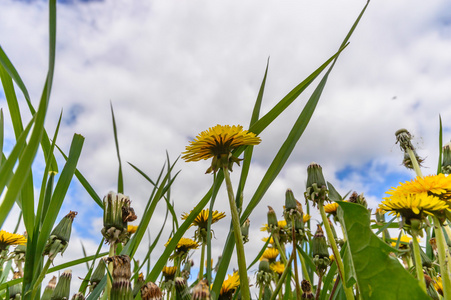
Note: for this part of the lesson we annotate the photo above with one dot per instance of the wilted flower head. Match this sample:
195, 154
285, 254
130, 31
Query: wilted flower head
218, 143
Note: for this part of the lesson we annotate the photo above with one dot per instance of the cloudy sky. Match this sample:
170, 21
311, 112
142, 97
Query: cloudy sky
172, 69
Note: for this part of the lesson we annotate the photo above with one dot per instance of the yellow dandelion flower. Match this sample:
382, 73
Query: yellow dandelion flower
169, 271
412, 205
331, 208
270, 254
221, 139
277, 267
436, 185
403, 241
217, 142
230, 284
7, 239
306, 217
132, 228
438, 284
282, 224
271, 240
184, 245
201, 220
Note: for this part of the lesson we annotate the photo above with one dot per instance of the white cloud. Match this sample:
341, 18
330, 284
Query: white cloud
172, 69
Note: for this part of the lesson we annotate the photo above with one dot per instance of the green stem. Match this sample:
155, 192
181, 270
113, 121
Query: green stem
348, 291
242, 269
304, 267
279, 247
41, 277
443, 256
414, 161
282, 278
202, 259
418, 264
109, 283
296, 274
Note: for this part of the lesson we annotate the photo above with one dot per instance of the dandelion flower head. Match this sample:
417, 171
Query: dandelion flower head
7, 239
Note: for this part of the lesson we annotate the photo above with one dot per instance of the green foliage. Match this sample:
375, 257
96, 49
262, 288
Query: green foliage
378, 275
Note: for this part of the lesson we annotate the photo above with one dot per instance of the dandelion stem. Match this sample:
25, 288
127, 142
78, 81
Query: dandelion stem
282, 278
41, 277
202, 259
414, 161
304, 268
242, 269
296, 274
109, 284
417, 258
348, 291
443, 256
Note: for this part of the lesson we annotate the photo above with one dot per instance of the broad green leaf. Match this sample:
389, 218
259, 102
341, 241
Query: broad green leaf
378, 275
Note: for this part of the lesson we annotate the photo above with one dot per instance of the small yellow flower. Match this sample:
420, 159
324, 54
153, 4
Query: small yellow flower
169, 271
282, 224
306, 217
270, 254
230, 284
132, 228
184, 245
271, 240
201, 220
331, 208
218, 142
436, 185
412, 205
277, 267
7, 239
403, 242
438, 284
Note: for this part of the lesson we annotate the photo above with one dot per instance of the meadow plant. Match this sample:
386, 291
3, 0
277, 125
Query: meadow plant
348, 255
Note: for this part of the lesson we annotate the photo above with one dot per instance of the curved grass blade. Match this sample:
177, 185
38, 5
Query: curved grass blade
120, 176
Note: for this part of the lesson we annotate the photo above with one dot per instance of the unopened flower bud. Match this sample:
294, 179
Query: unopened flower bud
62, 289
446, 160
272, 219
98, 274
138, 284
319, 244
306, 290
182, 289
358, 199
245, 230
316, 188
15, 290
48, 291
201, 291
151, 291
59, 238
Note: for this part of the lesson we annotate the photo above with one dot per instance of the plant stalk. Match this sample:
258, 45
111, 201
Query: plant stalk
201, 265
443, 256
296, 274
418, 264
341, 270
242, 269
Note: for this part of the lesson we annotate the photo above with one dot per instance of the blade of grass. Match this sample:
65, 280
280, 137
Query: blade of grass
120, 176
440, 146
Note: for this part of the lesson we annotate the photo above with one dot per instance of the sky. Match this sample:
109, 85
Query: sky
172, 69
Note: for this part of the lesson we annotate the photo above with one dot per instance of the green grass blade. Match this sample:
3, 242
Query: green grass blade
2, 130
440, 146
9, 68
120, 176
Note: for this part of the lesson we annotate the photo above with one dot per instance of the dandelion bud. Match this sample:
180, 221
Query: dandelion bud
358, 199
316, 188
98, 274
320, 251
138, 284
290, 202
121, 267
264, 276
245, 230
59, 238
62, 289
182, 289
306, 290
15, 290
201, 291
121, 290
272, 219
48, 291
151, 291
117, 213
446, 161
187, 268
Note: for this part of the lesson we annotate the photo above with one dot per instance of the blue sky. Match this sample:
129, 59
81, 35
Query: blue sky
173, 69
